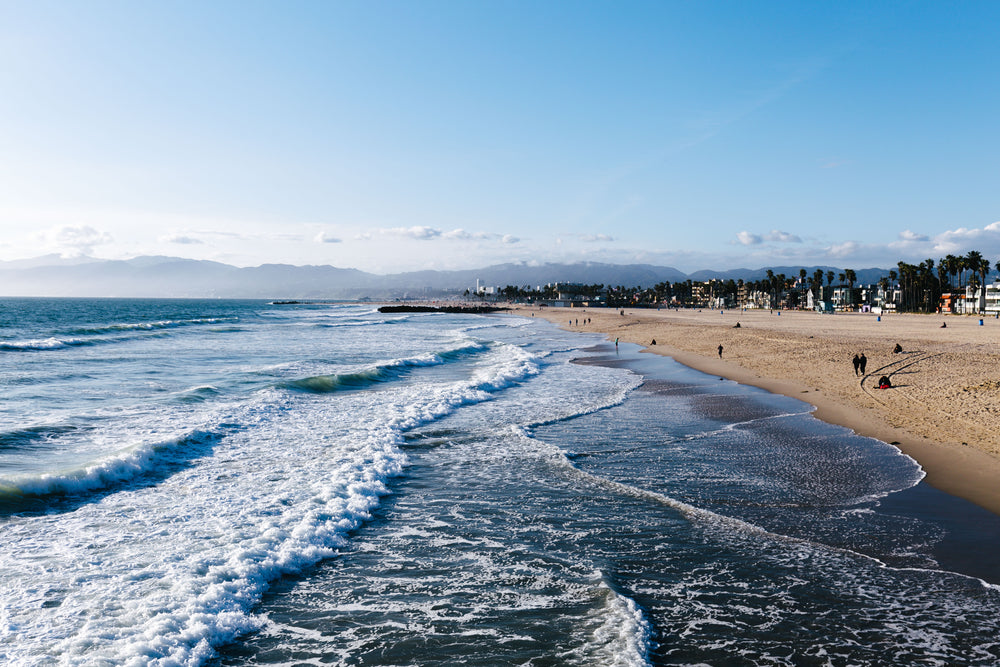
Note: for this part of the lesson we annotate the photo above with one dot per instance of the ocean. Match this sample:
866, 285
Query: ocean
222, 482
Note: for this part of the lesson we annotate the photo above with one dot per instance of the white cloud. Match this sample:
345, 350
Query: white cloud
846, 249
180, 240
775, 236
323, 237
783, 237
596, 238
462, 235
78, 240
419, 232
424, 233
960, 241
907, 235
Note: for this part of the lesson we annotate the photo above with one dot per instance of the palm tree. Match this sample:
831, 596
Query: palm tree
951, 262
931, 286
984, 269
851, 277
942, 272
901, 265
960, 265
973, 262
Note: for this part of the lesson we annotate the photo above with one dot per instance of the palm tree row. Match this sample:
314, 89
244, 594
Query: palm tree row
921, 287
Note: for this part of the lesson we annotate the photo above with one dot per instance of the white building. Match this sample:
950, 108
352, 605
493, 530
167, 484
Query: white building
974, 302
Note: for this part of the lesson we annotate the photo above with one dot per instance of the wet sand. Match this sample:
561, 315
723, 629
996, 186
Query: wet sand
943, 409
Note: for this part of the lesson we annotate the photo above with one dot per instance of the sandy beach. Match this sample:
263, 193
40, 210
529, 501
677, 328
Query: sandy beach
943, 409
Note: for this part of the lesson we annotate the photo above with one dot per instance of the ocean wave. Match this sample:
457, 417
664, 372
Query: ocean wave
198, 394
624, 636
102, 335
213, 603
42, 344
387, 372
121, 468
360, 323
510, 366
151, 326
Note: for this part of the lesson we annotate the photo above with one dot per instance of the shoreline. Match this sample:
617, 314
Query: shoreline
960, 466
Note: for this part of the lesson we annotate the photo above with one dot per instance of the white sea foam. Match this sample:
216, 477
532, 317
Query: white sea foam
111, 470
50, 343
164, 574
164, 570
624, 636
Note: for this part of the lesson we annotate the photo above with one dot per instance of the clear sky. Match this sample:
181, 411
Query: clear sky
405, 135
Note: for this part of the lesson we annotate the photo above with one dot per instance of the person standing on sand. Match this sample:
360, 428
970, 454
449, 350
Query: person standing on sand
720, 351
857, 363
864, 362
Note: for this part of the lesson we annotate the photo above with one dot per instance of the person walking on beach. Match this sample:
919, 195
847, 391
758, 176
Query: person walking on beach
864, 362
720, 351
857, 362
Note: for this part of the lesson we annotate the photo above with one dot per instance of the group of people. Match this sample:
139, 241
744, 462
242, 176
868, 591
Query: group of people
861, 362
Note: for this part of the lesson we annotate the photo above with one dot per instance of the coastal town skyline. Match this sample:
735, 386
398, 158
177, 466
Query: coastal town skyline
400, 137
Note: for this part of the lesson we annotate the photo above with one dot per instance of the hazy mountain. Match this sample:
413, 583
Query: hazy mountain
175, 277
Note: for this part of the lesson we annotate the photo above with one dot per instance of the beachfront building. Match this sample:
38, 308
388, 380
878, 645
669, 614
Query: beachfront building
886, 298
701, 295
841, 298
951, 302
973, 301
752, 299
992, 304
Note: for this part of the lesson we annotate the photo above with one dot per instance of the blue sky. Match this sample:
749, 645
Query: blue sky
391, 136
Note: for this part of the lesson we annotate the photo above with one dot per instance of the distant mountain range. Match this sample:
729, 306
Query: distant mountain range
174, 277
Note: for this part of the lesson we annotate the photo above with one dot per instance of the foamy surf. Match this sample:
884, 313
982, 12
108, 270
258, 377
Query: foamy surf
212, 591
411, 519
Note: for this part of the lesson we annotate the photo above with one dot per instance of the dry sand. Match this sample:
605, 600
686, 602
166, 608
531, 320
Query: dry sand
944, 407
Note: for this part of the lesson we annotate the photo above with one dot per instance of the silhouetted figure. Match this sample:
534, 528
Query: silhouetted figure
884, 383
897, 349
736, 326
720, 352
944, 325
864, 362
654, 342
857, 363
